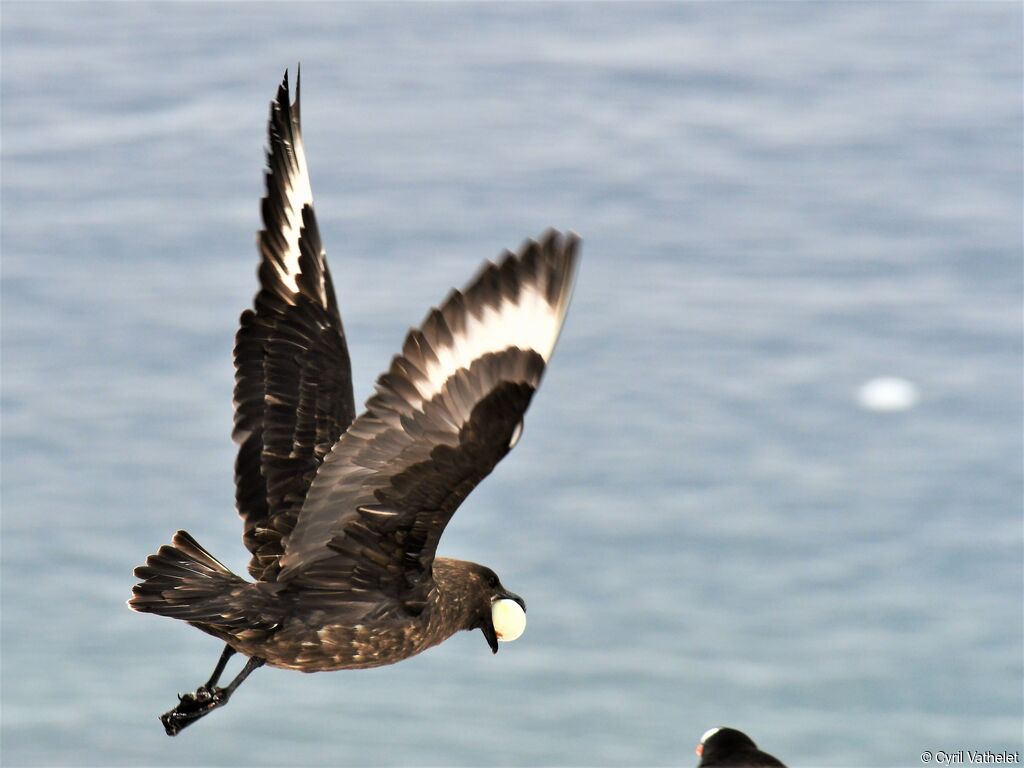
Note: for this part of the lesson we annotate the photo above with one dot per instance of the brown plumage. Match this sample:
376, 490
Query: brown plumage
343, 514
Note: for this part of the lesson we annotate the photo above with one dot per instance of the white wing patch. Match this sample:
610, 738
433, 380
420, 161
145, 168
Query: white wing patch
528, 323
299, 194
516, 434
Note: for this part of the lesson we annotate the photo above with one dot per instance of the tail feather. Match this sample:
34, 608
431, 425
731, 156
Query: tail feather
184, 581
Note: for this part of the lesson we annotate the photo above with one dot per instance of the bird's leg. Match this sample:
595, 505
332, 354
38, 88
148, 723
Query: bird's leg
253, 663
208, 697
219, 669
205, 692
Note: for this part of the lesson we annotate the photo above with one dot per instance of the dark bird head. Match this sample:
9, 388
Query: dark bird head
727, 746
500, 614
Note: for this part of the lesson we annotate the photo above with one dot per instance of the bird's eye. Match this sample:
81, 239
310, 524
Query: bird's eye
492, 580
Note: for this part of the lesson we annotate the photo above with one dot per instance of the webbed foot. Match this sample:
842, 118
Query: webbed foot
207, 698
192, 706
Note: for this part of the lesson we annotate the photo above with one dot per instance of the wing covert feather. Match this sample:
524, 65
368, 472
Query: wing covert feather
444, 414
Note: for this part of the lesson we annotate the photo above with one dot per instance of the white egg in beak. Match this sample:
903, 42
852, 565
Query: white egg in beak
508, 618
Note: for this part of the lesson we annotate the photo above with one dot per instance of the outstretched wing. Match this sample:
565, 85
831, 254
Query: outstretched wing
293, 380
450, 407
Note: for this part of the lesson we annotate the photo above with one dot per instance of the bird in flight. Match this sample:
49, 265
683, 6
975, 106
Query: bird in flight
721, 747
342, 513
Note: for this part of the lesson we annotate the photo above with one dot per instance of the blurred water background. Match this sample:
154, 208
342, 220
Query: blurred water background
778, 202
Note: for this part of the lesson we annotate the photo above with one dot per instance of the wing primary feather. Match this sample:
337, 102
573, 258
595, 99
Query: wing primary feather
293, 384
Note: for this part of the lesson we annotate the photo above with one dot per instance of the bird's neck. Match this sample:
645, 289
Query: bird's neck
453, 604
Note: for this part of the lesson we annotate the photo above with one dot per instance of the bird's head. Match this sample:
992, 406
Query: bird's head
500, 614
719, 742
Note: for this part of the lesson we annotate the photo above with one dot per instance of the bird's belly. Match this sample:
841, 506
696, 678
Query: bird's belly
329, 646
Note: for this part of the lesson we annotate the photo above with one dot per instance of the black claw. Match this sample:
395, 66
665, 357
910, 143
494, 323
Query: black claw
191, 707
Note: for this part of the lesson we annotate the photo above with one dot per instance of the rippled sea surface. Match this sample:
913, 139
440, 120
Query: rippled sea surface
778, 203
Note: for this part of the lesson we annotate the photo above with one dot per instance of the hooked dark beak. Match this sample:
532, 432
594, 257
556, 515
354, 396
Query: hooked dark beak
492, 638
516, 598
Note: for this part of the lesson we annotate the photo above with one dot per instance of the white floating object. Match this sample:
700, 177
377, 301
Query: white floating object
509, 619
887, 394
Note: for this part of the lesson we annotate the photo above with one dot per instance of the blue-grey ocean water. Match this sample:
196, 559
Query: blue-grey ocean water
778, 203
